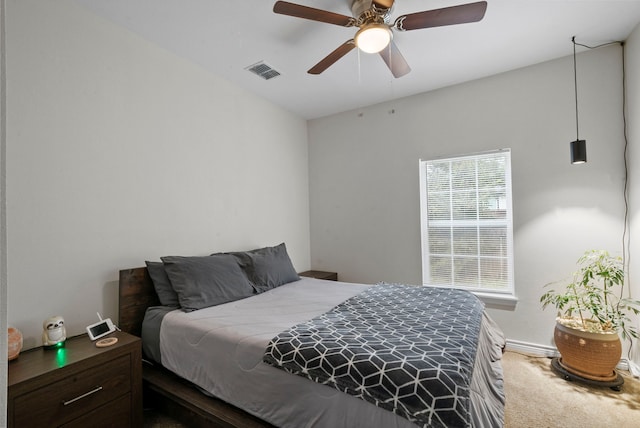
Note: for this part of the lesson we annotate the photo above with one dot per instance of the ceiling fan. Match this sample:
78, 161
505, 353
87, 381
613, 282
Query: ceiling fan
374, 34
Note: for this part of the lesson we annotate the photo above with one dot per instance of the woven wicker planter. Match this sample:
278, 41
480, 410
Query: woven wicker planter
592, 356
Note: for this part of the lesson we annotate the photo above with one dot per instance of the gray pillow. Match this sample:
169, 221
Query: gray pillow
268, 267
162, 284
206, 281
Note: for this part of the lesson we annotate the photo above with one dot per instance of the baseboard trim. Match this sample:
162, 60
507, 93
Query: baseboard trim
623, 365
531, 348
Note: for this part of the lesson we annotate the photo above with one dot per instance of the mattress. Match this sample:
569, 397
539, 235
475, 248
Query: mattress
221, 348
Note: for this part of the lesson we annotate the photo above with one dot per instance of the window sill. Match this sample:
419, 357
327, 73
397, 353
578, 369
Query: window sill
498, 301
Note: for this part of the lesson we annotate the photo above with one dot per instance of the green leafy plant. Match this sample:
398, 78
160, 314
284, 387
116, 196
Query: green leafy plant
593, 300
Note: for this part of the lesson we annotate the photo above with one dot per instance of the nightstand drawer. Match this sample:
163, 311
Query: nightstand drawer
69, 398
113, 415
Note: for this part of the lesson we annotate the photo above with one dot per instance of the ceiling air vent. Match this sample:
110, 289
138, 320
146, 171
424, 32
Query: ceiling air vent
263, 70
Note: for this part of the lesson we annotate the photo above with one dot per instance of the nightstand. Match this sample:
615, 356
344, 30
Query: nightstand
79, 385
319, 274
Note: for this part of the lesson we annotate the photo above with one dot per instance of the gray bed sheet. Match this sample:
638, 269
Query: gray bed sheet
220, 350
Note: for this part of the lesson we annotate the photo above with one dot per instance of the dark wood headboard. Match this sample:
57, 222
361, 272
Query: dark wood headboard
136, 294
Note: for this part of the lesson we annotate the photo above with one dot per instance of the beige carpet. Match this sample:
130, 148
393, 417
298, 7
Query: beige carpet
538, 397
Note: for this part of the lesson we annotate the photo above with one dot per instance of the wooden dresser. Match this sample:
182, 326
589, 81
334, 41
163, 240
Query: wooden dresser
79, 385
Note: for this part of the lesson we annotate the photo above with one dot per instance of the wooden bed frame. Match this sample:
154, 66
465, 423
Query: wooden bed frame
162, 389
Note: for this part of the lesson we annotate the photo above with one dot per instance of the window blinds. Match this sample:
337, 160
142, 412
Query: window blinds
467, 231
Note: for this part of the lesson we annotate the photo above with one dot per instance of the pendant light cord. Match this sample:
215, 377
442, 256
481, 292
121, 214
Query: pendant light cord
575, 85
625, 236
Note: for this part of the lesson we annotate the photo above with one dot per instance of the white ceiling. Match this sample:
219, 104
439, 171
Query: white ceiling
227, 36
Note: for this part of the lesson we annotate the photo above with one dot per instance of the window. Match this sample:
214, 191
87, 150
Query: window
466, 221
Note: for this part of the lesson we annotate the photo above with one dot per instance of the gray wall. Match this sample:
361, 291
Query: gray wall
119, 152
364, 176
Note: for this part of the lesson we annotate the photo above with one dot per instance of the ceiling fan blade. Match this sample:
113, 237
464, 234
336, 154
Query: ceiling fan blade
383, 4
395, 61
334, 56
461, 14
299, 11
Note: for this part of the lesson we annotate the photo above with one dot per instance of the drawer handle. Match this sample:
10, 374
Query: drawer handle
80, 397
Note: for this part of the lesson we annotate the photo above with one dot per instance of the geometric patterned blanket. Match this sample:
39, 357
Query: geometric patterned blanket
407, 349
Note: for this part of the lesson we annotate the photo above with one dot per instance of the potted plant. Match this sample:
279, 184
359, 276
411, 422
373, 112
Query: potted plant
592, 314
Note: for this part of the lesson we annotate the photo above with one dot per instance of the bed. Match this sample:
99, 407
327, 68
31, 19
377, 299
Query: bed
271, 359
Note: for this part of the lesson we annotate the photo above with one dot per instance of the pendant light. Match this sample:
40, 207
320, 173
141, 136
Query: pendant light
578, 147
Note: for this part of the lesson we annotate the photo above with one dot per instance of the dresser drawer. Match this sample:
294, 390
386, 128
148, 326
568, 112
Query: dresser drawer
60, 402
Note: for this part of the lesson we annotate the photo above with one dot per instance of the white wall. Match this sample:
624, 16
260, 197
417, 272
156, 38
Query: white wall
632, 54
364, 176
119, 152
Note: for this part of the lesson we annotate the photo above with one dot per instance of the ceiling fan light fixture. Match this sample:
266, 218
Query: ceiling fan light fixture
372, 38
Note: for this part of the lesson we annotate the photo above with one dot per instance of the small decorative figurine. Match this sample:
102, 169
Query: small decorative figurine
15, 343
54, 333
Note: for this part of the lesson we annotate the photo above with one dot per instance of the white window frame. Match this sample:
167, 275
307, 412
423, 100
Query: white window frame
491, 295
